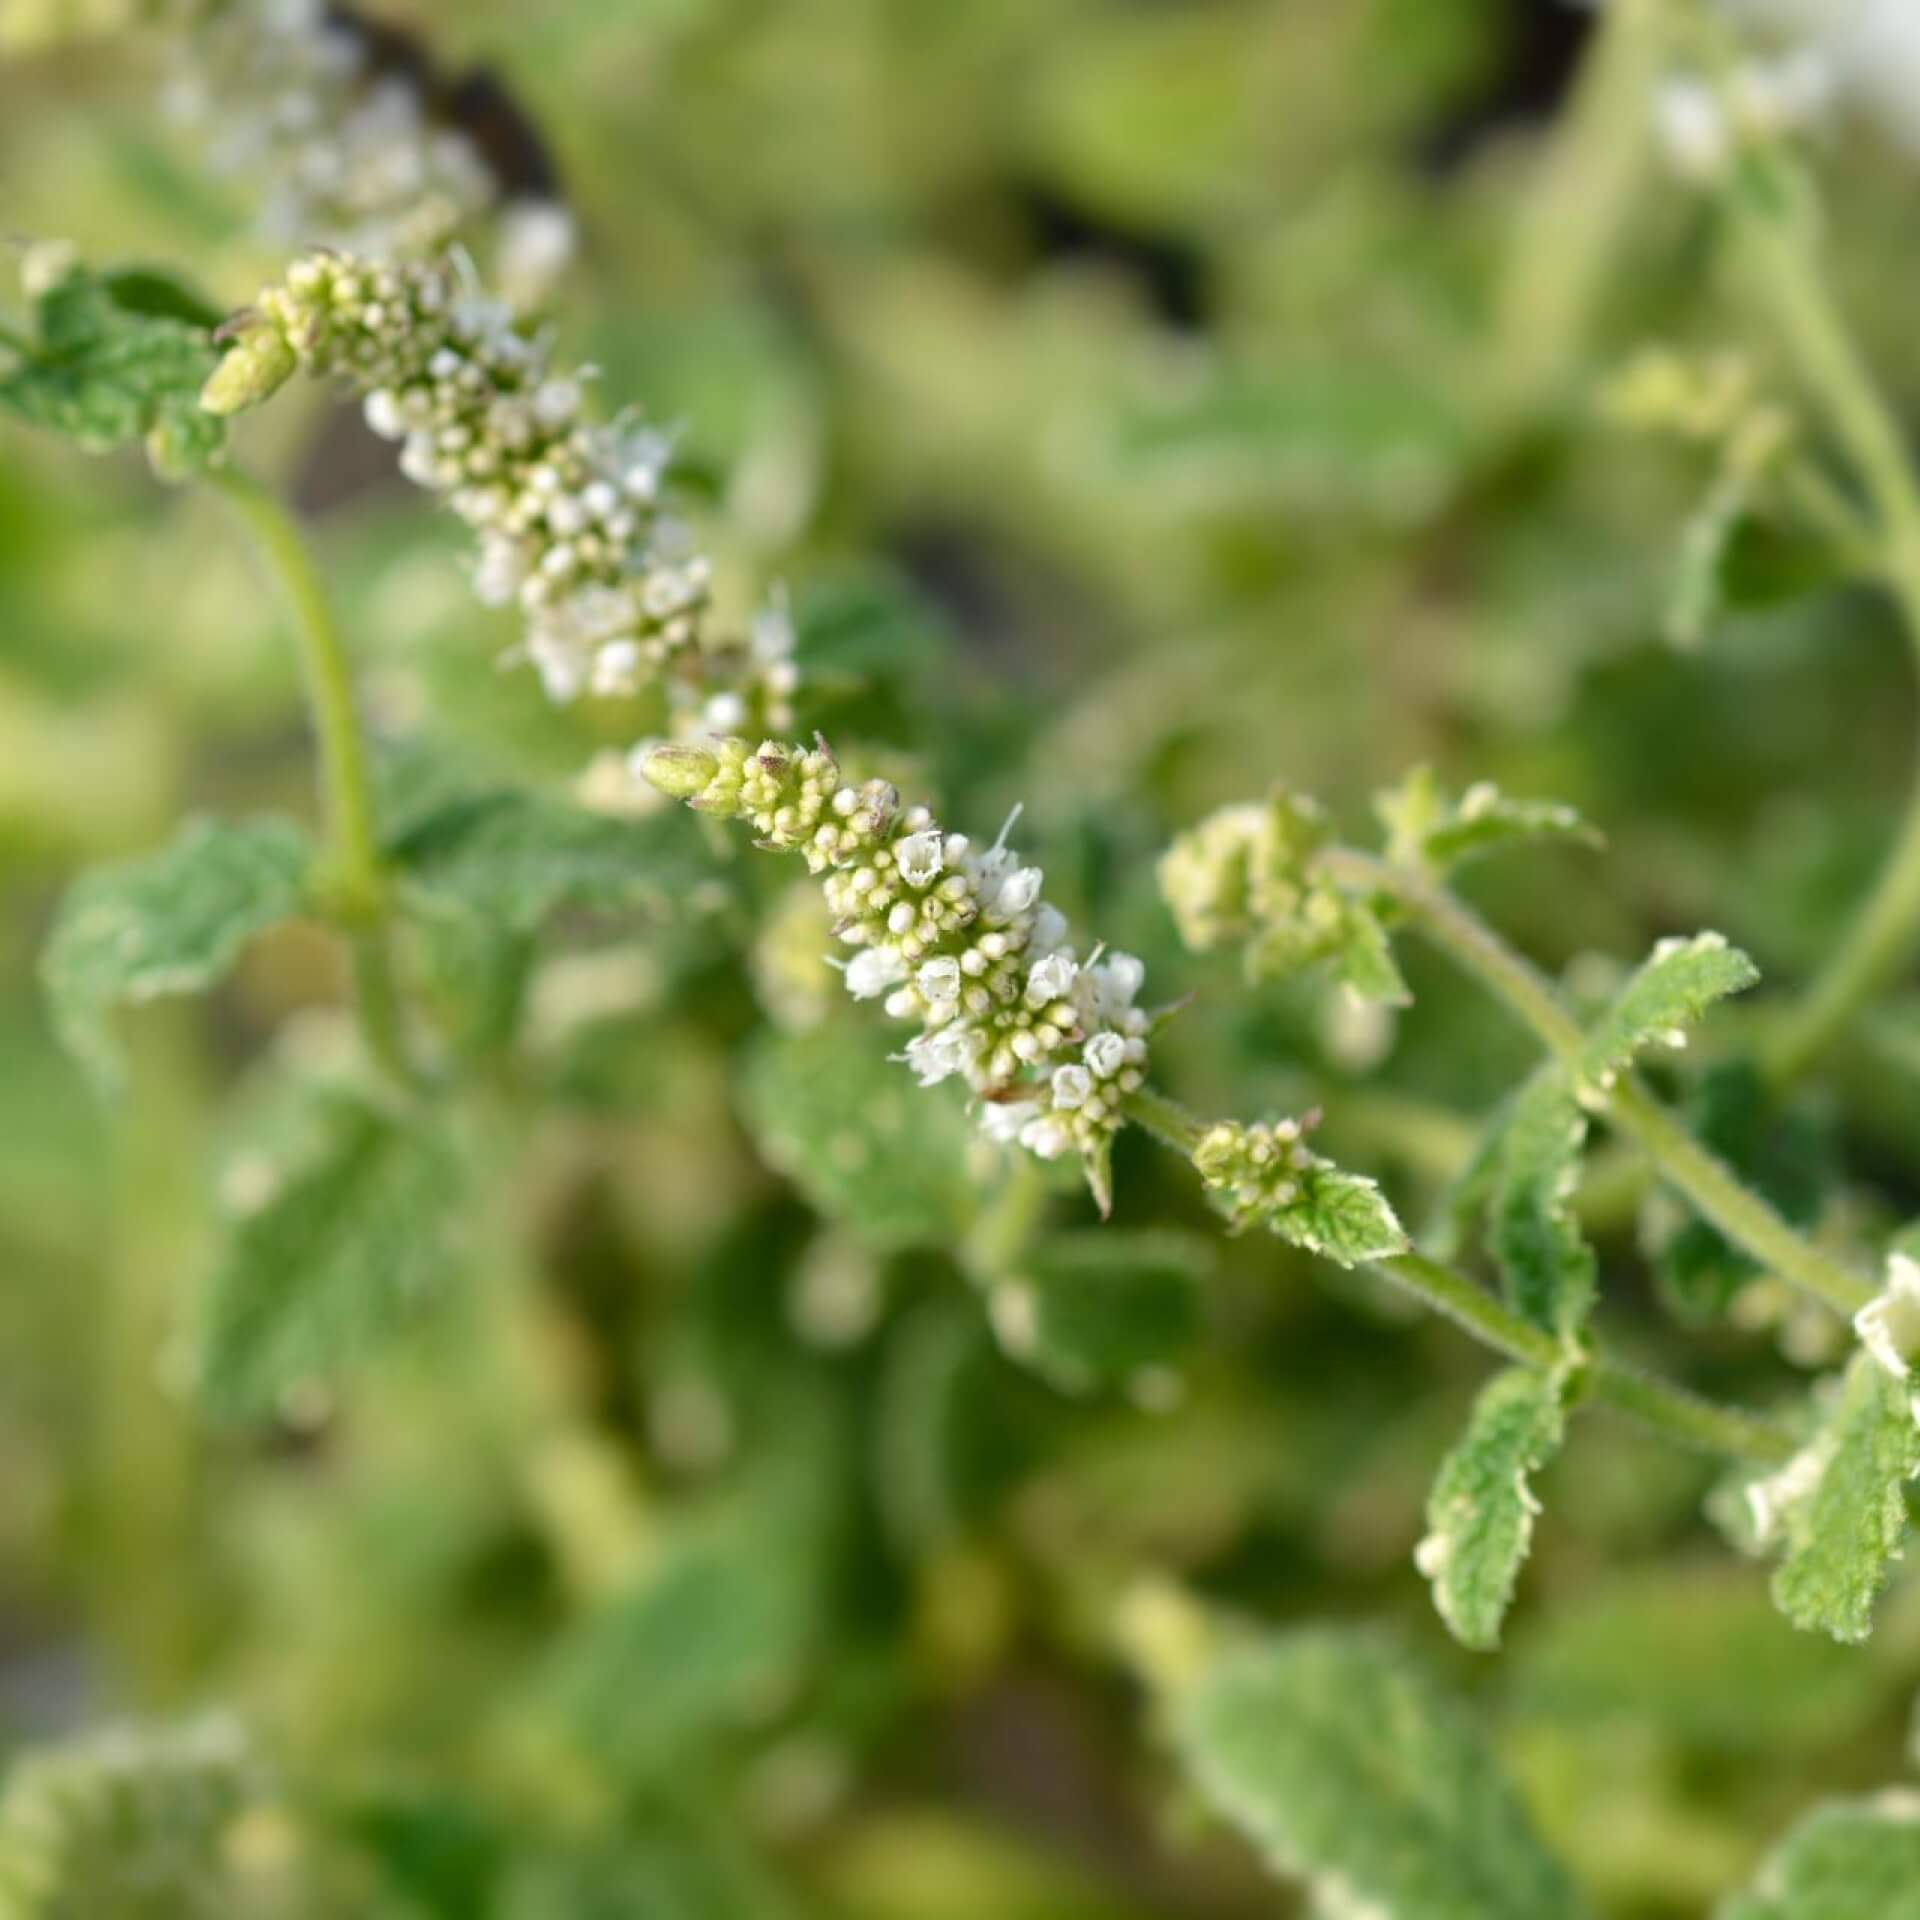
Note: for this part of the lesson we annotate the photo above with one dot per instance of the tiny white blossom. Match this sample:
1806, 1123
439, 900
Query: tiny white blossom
1004, 1120
939, 979
872, 971
1020, 890
1105, 1054
1071, 1086
1050, 979
1889, 1324
919, 857
1048, 1137
1119, 978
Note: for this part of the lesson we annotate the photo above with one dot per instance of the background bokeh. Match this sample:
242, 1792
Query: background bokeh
1142, 402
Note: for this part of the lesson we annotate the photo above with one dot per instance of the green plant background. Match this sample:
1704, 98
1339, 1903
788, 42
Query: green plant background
1142, 403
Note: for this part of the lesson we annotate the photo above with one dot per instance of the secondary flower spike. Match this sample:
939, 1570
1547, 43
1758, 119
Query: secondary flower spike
568, 513
949, 934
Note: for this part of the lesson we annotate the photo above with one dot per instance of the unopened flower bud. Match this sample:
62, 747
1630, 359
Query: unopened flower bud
258, 364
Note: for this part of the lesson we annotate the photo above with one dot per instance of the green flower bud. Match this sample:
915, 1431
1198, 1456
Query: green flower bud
258, 364
681, 771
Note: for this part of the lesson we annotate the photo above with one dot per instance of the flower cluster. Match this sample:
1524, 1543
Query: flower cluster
1240, 869
1256, 1171
568, 513
953, 935
335, 120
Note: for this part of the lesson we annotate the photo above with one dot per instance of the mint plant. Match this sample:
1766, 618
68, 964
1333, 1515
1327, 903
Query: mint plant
683, 1271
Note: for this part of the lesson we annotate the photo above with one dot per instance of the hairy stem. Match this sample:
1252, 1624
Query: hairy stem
1883, 937
356, 888
1681, 1416
1742, 1215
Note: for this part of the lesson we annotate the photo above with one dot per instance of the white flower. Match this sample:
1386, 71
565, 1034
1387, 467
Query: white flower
1071, 1086
872, 971
1047, 1137
1693, 128
939, 979
1019, 890
919, 857
1118, 979
942, 1052
1005, 1120
1051, 979
1105, 1054
537, 239
383, 415
1050, 928
1889, 1324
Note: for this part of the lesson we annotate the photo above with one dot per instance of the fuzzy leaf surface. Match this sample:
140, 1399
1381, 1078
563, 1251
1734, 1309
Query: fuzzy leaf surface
1675, 986
1546, 1267
1848, 1860
1480, 1513
861, 1141
119, 357
1844, 1535
1346, 1769
341, 1224
1341, 1216
165, 923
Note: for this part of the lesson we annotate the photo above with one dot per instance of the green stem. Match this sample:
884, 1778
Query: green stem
1882, 938
1583, 192
357, 876
356, 889
1681, 1416
1739, 1213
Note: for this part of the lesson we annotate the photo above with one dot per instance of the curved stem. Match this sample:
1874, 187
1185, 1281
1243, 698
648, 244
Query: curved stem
1583, 190
356, 887
357, 874
1681, 1416
1738, 1212
1887, 929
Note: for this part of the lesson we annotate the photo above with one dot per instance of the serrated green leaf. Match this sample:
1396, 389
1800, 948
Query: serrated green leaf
340, 1225
123, 1825
1362, 958
119, 357
1098, 1309
165, 923
1676, 985
1480, 1513
1341, 1216
1346, 1769
1848, 1860
1844, 1534
863, 1143
1427, 827
1546, 1267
